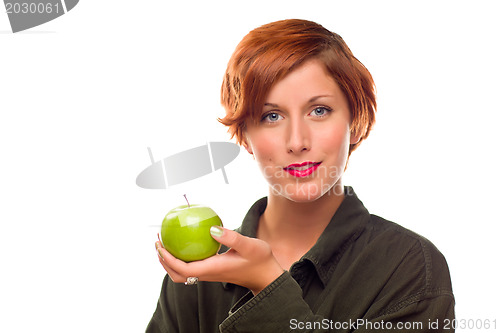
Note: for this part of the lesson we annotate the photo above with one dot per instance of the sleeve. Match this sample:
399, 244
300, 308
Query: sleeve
162, 320
416, 297
270, 310
434, 313
173, 315
430, 304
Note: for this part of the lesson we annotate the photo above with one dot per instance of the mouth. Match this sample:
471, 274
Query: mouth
302, 169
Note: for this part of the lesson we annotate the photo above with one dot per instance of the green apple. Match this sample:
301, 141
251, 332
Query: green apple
185, 232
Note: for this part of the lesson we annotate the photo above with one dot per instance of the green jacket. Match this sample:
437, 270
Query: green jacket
364, 274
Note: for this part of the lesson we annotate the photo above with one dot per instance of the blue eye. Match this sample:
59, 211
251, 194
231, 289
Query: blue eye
320, 111
271, 117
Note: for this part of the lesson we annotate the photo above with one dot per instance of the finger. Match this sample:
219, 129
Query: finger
178, 269
232, 239
172, 273
162, 253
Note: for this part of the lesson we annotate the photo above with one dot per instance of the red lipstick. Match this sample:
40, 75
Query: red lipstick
302, 169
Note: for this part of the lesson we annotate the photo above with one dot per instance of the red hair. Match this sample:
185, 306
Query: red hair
266, 54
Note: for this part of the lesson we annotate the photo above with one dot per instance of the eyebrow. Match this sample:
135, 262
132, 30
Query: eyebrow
311, 100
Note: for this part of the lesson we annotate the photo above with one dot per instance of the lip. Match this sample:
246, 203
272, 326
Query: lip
310, 168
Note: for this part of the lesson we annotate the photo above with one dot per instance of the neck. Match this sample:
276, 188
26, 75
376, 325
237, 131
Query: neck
292, 228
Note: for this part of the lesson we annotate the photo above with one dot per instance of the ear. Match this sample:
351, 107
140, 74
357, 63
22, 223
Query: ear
244, 143
355, 137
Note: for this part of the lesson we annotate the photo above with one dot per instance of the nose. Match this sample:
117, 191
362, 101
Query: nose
298, 137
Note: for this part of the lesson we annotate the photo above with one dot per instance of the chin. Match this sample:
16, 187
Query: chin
301, 192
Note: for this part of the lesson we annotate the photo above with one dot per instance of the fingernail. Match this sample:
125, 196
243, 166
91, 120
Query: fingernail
216, 231
157, 245
159, 253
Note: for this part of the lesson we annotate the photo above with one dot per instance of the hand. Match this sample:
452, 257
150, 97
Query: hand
249, 263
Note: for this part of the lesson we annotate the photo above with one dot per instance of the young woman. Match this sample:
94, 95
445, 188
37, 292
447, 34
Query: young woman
309, 256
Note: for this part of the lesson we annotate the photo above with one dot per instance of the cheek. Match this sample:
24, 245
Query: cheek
263, 149
263, 152
264, 155
336, 139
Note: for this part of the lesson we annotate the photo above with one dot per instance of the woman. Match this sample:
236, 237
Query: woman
308, 256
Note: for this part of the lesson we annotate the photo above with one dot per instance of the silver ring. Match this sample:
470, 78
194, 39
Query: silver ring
191, 280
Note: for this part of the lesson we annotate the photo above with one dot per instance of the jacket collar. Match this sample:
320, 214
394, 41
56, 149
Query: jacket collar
344, 228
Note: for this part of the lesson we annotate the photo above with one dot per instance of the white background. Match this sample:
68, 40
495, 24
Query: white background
83, 96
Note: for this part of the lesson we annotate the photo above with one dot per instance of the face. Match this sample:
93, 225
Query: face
301, 142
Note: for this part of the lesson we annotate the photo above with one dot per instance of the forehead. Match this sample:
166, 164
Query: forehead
308, 80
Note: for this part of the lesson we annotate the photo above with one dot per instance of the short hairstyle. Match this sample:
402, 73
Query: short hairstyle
268, 53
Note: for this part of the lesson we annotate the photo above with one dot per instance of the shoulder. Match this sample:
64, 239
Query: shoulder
401, 271
396, 236
413, 255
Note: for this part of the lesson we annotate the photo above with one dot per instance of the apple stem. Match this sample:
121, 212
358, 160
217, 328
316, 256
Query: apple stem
186, 200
